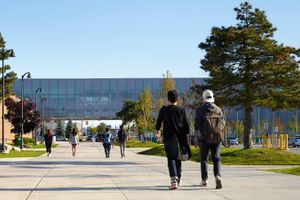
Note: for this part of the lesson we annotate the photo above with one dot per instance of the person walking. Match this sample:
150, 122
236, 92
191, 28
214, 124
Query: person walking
175, 129
209, 127
107, 142
74, 141
48, 141
122, 137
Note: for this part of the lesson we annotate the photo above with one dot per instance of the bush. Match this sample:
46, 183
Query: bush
28, 140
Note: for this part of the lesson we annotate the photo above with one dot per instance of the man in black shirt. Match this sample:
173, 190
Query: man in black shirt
122, 137
175, 129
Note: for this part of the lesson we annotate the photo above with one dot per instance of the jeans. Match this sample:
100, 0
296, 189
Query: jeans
106, 149
174, 165
48, 146
215, 154
122, 148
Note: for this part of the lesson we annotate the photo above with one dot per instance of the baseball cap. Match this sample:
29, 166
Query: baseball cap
208, 96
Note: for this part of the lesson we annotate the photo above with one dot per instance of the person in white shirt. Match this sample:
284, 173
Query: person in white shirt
74, 141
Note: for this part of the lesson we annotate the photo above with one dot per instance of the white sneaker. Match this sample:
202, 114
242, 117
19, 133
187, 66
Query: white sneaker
203, 183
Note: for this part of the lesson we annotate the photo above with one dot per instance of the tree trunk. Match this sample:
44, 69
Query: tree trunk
248, 128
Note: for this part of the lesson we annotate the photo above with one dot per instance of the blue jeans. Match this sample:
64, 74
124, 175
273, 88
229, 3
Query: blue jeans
215, 154
106, 149
174, 165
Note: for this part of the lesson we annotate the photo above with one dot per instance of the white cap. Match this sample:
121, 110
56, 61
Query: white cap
208, 96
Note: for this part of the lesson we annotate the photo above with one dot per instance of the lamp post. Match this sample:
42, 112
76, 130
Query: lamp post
22, 106
44, 99
36, 91
4, 54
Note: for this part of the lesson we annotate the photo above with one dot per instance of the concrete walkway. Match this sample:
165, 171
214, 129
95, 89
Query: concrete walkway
91, 176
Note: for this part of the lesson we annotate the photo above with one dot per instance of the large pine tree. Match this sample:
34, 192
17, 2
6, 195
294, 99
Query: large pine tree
248, 67
9, 77
59, 130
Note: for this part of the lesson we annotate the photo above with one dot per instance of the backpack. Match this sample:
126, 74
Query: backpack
213, 127
106, 139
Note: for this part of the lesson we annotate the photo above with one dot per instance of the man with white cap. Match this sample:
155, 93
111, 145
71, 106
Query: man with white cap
209, 127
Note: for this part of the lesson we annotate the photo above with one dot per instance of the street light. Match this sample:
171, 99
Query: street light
22, 106
36, 91
4, 54
44, 99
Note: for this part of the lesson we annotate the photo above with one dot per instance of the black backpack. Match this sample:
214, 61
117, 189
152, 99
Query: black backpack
213, 127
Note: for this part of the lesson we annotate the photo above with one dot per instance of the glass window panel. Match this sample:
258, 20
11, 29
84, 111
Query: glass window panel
79, 86
88, 88
70, 86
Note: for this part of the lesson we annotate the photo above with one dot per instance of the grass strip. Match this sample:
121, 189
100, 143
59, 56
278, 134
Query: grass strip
238, 156
20, 154
292, 171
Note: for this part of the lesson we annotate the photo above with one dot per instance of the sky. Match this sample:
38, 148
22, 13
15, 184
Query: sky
124, 38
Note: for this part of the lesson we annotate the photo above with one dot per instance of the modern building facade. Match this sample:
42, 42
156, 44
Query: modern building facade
98, 99
89, 99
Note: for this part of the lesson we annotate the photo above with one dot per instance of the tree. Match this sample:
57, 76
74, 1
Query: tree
128, 112
93, 130
167, 84
9, 77
101, 128
292, 125
145, 120
31, 118
69, 127
59, 130
279, 124
247, 67
238, 128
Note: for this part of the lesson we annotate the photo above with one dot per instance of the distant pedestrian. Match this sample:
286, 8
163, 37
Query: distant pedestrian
122, 137
74, 141
209, 127
48, 141
107, 142
175, 130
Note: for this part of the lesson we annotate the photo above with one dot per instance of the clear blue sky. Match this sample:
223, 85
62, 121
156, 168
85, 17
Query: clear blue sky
124, 38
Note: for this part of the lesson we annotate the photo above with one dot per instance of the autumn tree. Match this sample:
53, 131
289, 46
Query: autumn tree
31, 117
145, 121
247, 67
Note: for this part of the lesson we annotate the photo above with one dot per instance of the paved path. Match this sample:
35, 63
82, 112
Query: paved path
91, 176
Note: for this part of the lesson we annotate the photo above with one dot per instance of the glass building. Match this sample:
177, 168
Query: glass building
98, 99
90, 99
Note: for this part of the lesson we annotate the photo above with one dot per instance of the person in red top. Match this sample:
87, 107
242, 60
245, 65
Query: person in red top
48, 141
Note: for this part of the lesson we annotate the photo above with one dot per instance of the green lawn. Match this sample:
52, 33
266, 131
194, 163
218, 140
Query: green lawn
18, 154
236, 156
293, 171
141, 144
33, 146
42, 146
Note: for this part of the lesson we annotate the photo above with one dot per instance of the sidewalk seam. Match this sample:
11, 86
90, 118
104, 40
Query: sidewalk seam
46, 174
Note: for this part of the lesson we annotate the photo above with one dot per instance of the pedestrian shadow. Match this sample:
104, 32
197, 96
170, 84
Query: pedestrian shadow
127, 188
48, 163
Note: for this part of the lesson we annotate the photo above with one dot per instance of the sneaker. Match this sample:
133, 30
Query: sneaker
173, 186
203, 183
218, 182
